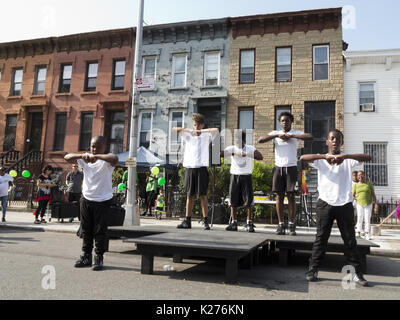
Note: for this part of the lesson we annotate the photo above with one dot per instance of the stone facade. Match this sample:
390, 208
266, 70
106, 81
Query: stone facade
266, 93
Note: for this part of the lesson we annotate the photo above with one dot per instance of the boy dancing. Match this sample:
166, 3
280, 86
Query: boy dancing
285, 175
97, 193
196, 161
335, 202
241, 184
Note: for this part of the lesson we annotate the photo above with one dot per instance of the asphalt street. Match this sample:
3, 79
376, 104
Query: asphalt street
39, 265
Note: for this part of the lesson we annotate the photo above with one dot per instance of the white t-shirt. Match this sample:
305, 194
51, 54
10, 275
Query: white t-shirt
97, 180
286, 151
197, 152
4, 184
335, 182
241, 165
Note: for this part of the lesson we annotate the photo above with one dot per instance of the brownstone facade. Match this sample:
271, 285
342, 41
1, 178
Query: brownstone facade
300, 32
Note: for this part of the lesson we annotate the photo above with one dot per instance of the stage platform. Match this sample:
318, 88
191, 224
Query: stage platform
248, 248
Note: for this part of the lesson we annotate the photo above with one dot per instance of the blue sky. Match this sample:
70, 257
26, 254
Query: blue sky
376, 22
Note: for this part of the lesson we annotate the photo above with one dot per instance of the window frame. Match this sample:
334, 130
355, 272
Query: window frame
145, 58
327, 45
206, 54
36, 83
61, 84
291, 63
56, 125
173, 70
114, 76
254, 66
240, 109
360, 83
170, 142
380, 183
81, 127
87, 78
6, 128
140, 127
13, 83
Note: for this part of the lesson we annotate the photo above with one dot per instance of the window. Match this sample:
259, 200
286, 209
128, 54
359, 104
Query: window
175, 120
211, 68
278, 111
59, 131
118, 80
246, 122
86, 131
117, 129
10, 132
376, 170
149, 67
146, 120
321, 62
179, 66
16, 87
283, 65
247, 66
40, 80
65, 78
91, 76
367, 97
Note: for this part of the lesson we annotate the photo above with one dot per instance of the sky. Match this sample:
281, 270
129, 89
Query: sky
370, 25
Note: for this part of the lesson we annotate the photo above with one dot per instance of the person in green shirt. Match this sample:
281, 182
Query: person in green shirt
364, 195
160, 205
151, 193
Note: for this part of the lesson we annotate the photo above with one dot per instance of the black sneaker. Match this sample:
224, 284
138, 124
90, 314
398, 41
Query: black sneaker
43, 221
3, 219
143, 214
292, 229
359, 279
232, 227
84, 261
250, 227
312, 275
98, 263
205, 223
186, 224
37, 221
281, 229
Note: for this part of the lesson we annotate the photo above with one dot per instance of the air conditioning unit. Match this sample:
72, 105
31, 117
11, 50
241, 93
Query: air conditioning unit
367, 107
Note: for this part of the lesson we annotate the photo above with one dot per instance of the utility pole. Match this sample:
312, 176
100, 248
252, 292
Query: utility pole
132, 217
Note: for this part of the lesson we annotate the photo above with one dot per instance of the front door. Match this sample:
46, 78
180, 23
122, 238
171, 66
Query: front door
34, 133
114, 131
212, 116
319, 121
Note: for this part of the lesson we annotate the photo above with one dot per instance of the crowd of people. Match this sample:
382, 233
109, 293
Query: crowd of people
92, 187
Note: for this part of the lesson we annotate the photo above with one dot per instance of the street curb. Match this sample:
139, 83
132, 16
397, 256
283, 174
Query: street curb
36, 229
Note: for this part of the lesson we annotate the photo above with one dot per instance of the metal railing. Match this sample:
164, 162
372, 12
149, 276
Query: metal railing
31, 157
386, 207
9, 156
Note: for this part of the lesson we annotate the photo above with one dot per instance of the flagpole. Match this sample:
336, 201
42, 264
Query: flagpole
132, 217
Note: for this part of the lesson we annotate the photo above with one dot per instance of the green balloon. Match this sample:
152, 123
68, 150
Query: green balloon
13, 173
26, 174
161, 182
155, 171
122, 186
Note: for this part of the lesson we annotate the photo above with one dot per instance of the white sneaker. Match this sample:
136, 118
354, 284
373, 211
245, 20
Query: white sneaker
367, 237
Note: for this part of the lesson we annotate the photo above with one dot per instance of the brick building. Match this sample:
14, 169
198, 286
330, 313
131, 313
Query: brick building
287, 61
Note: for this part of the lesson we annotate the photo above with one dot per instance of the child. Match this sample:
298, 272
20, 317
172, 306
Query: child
241, 184
285, 179
160, 203
43, 194
335, 202
196, 160
97, 193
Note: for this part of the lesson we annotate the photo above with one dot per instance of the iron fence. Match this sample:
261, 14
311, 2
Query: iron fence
385, 208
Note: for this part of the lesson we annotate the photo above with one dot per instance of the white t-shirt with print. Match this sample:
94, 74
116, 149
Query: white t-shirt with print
97, 180
286, 151
197, 152
335, 182
4, 184
241, 165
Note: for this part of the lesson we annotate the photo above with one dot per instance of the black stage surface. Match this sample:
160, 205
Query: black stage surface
249, 248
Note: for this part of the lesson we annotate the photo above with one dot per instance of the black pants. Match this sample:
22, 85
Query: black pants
94, 225
74, 196
41, 210
151, 198
344, 216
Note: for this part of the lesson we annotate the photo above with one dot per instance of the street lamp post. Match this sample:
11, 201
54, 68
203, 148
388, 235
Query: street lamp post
132, 217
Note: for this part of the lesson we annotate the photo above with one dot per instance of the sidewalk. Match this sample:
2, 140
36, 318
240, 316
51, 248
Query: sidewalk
389, 241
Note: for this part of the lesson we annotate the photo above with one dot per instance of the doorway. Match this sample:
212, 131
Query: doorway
319, 121
34, 132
